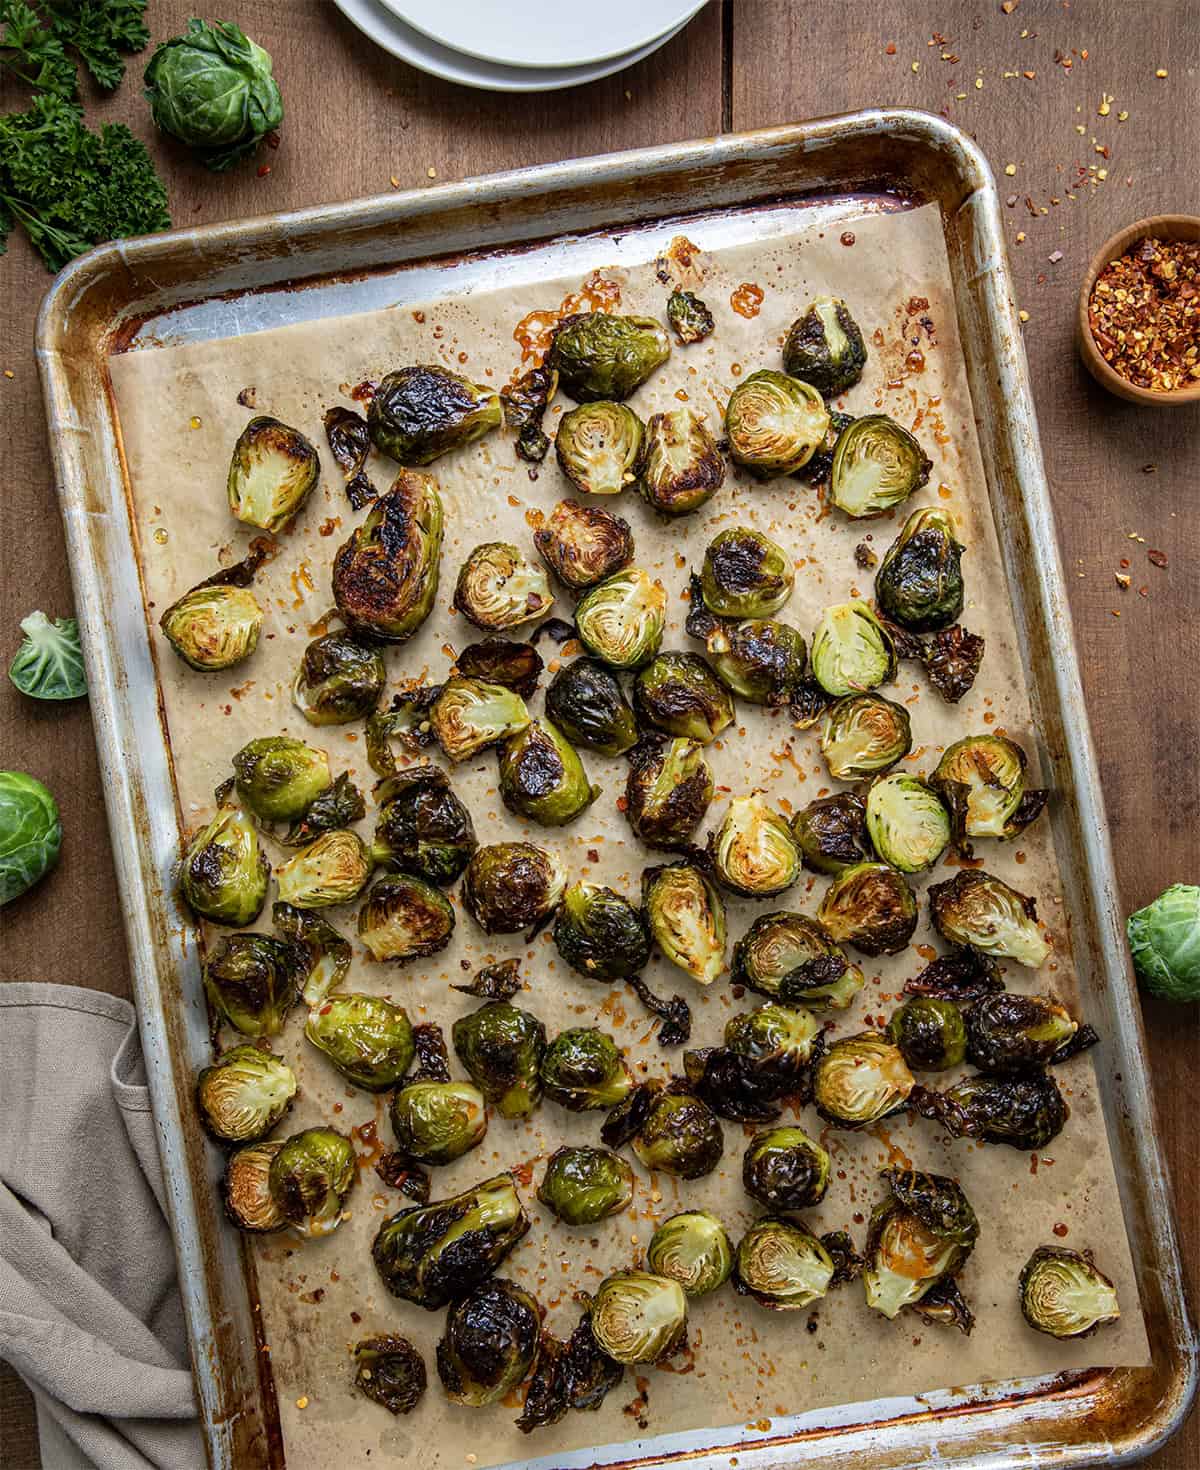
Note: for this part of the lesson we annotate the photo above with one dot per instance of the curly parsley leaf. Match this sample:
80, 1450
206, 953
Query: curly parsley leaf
102, 31
32, 53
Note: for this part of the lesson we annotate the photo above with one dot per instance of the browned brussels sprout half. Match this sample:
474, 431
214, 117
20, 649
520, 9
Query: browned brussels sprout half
877, 464
368, 1039
1065, 1294
542, 777
621, 620
600, 934
863, 735
690, 319
278, 778
668, 792
977, 911
512, 886
405, 918
583, 1069
524, 404
436, 1122
599, 447
423, 827
246, 1188
349, 443
680, 695
583, 544
422, 412
785, 1169
385, 577
1008, 1033
570, 1375
1026, 1112
271, 474
250, 981
682, 468
224, 874
745, 575
851, 650
310, 1177
244, 1094
694, 1249
908, 825
588, 705
491, 1343
791, 958
585, 1185
469, 715
774, 424
930, 1034
782, 1265
760, 660
389, 1371
860, 1079
871, 907
502, 1047
214, 626
339, 680
919, 582
499, 587
686, 916
824, 347
982, 781
334, 868
753, 851
516, 666
598, 355
638, 1317
920, 1236
831, 833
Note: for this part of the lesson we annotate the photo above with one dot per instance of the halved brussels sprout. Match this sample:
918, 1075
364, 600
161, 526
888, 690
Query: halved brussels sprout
502, 1047
423, 827
782, 1265
368, 1039
385, 577
422, 412
349, 441
583, 544
246, 1188
824, 347
851, 650
512, 886
753, 851
863, 735
1026, 1112
583, 1069
250, 981
921, 1235
785, 1169
682, 468
585, 1185
860, 1079
1065, 1294
680, 695
470, 715
638, 1317
244, 1094
437, 1122
686, 916
1008, 1033
278, 778
599, 356
877, 464
761, 660
499, 587
599, 447
745, 574
310, 1177
774, 424
694, 1249
491, 1343
680, 1135
919, 583
690, 319
668, 792
389, 1371
930, 1034
405, 918
791, 958
214, 626
977, 911
831, 833
333, 869
588, 705
323, 954
339, 680
600, 934
224, 874
542, 777
621, 620
871, 907
909, 826
982, 781
271, 473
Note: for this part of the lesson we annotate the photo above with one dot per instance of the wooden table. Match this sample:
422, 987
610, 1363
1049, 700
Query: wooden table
1029, 85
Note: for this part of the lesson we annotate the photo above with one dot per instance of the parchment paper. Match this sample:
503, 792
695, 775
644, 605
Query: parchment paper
180, 415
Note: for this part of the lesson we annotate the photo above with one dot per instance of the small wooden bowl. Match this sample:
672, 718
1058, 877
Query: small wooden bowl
1166, 227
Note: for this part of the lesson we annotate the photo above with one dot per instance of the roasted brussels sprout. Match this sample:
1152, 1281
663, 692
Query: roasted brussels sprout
587, 704
599, 447
919, 582
405, 918
782, 1265
600, 934
977, 911
583, 544
621, 620
871, 907
682, 468
745, 574
831, 833
930, 1034
499, 587
690, 319
864, 734
766, 1056
524, 405
333, 869
877, 464
780, 1040
250, 981
851, 650
694, 1249
583, 1069
584, 1185
246, 1188
784, 1169
668, 792
774, 424
860, 1079
244, 1094
310, 1177
922, 1234
420, 413
1164, 940
469, 715
761, 660
323, 955
349, 441
423, 827
962, 976
278, 778
271, 474
680, 1134
570, 1375
368, 1039
982, 781
407, 717
638, 1317
791, 958
512, 886
502, 1047
1026, 1112
1009, 1033
390, 1371
685, 913
542, 777
515, 666
820, 466
491, 1343
224, 874
440, 1252
214, 626
1065, 1294
680, 695
600, 356
339, 680
437, 1122
824, 347
385, 577
753, 851
908, 825
952, 657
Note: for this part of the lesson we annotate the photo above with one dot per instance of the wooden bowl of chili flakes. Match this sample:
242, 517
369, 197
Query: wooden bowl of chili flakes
1139, 312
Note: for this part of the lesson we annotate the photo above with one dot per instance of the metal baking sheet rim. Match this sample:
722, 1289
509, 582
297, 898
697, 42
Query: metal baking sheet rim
1117, 1416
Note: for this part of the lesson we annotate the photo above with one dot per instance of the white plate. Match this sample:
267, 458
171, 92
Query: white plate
544, 33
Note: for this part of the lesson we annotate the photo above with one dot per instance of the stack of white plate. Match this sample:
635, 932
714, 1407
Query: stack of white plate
520, 45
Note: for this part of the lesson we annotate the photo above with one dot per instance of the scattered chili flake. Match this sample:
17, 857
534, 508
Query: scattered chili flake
1122, 581
1158, 558
1008, 6
1029, 75
263, 170
1144, 313
890, 48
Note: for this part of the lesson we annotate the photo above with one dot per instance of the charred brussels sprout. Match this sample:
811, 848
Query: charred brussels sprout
686, 916
791, 958
877, 464
871, 907
349, 441
774, 424
621, 620
980, 912
831, 833
588, 705
908, 825
310, 1177
438, 1253
600, 934
570, 1375
599, 447
542, 777
499, 587
930, 1034
491, 1343
760, 659
1026, 1112
694, 1249
745, 575
682, 468
368, 1039
690, 319
784, 1169
782, 1265
515, 666
680, 695
859, 1080
952, 658
385, 577
583, 544
323, 954
779, 1041
423, 827
213, 627
271, 474
524, 405
246, 1189
919, 582
1008, 1033
512, 886
244, 1094
922, 1234
333, 869
824, 347
863, 735
583, 1069
982, 781
584, 1185
668, 792
469, 715
681, 1135
753, 851
437, 1122
502, 1047
422, 412
638, 1317
389, 1371
250, 981
339, 680
405, 918
820, 466
600, 356
851, 650
224, 874
278, 778
1065, 1294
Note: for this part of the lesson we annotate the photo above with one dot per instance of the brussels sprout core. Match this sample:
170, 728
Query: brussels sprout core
638, 1317
782, 1265
753, 850
598, 355
686, 915
385, 577
420, 413
272, 472
621, 620
824, 347
225, 872
1064, 1294
877, 464
860, 1079
682, 467
244, 1094
599, 447
774, 423
745, 575
863, 735
909, 826
980, 912
694, 1249
851, 651
491, 1343
583, 544
584, 1185
498, 587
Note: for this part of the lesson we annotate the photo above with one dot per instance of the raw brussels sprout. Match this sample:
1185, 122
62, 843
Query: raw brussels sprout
515, 666
278, 778
423, 827
930, 1034
871, 907
246, 1188
919, 582
690, 319
440, 1252
339, 680
437, 1122
745, 575
694, 1249
977, 911
680, 695
349, 441
499, 587
49, 662
214, 626
420, 413
244, 1094
621, 620
685, 913
864, 734
225, 872
877, 464
271, 474
310, 1177
512, 886
1008, 1033
368, 1039
600, 356
824, 347
600, 934
469, 715
982, 781
908, 825
851, 650
389, 1371
599, 447
587, 704
784, 1169
1026, 1112
791, 958
1065, 1294
385, 577
860, 1079
761, 660
680, 1135
585, 1185
831, 833
250, 981
668, 792
682, 468
1164, 939
491, 1343
782, 1265
569, 1375
774, 424
502, 1047
583, 1069
922, 1234
333, 869
321, 952
583, 544
31, 836
638, 1317
753, 851
952, 658
542, 777
405, 918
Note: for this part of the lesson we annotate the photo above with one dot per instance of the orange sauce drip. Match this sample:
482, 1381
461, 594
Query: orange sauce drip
535, 331
747, 299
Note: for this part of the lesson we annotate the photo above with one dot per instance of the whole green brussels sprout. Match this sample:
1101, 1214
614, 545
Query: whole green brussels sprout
437, 1122
512, 886
599, 447
491, 1343
598, 355
583, 1069
583, 544
368, 1039
588, 705
278, 777
390, 1371
694, 1249
271, 474
668, 792
930, 1033
774, 423
339, 680
501, 1047
825, 347
638, 1317
310, 1177
682, 468
785, 1169
877, 464
1164, 938
250, 981
423, 827
1065, 1294
332, 869
420, 413
621, 620
919, 583
30, 834
385, 577
542, 777
405, 918
585, 1185
600, 934
680, 695
245, 1092
745, 574
225, 873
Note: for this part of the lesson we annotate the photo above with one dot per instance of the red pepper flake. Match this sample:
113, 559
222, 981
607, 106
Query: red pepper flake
1060, 1229
847, 237
1008, 6
263, 170
1159, 558
890, 48
1124, 563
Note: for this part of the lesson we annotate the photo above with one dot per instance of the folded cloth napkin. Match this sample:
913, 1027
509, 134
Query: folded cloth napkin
90, 1314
